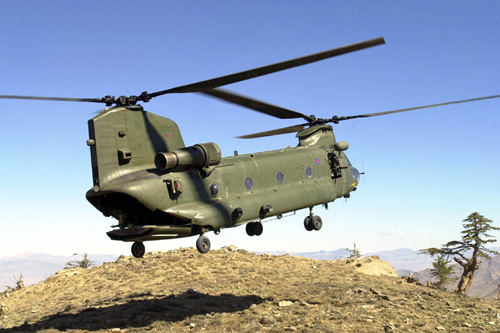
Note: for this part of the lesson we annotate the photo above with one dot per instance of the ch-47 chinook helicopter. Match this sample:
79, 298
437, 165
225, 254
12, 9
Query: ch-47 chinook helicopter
157, 188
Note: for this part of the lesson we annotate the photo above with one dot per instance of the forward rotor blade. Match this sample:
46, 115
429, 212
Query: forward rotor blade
253, 104
260, 71
278, 131
65, 99
415, 108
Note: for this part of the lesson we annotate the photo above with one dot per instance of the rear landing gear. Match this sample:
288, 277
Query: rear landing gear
138, 249
313, 222
254, 229
316, 222
307, 223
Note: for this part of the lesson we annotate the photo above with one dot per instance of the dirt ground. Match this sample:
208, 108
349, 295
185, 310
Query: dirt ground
232, 290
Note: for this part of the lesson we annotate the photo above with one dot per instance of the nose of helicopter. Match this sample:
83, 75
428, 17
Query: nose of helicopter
355, 177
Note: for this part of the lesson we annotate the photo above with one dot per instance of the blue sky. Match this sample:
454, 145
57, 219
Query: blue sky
425, 170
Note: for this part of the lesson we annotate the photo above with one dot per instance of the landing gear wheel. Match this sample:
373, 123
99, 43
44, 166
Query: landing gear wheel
257, 228
203, 244
138, 249
254, 229
308, 224
249, 229
316, 222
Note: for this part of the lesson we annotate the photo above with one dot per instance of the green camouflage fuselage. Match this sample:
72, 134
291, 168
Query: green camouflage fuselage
200, 191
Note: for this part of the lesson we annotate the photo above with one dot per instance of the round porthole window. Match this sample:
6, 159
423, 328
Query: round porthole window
248, 183
214, 190
280, 177
309, 172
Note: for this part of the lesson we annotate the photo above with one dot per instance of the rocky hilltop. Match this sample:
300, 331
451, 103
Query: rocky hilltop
236, 291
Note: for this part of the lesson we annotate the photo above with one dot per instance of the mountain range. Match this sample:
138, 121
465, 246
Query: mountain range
35, 267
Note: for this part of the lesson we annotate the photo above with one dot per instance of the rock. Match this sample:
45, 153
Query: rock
267, 321
192, 291
440, 328
372, 266
231, 248
467, 325
285, 303
360, 291
389, 328
349, 293
253, 326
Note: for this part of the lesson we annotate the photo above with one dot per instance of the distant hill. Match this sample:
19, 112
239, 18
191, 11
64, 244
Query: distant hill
324, 255
35, 267
238, 291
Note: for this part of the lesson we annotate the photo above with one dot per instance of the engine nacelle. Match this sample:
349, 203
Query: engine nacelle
197, 156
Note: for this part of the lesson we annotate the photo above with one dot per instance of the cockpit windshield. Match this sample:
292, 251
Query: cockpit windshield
347, 161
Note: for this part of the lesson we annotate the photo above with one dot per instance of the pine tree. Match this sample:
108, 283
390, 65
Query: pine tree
474, 237
354, 252
85, 262
442, 272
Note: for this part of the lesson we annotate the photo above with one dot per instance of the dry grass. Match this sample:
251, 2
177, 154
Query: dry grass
236, 291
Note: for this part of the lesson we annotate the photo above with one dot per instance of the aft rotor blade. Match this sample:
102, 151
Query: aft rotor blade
414, 108
253, 104
284, 130
260, 71
64, 99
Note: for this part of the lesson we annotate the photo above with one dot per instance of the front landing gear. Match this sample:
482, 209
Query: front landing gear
138, 249
203, 244
313, 222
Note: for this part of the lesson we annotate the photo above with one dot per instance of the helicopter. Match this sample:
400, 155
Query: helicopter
156, 188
